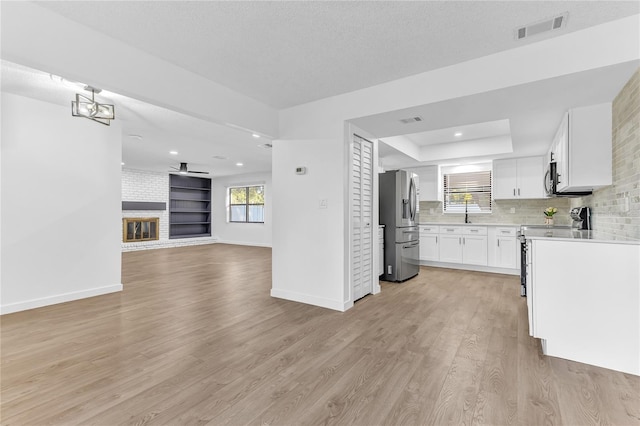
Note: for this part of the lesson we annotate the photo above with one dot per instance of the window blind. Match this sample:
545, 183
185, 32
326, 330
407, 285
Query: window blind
471, 190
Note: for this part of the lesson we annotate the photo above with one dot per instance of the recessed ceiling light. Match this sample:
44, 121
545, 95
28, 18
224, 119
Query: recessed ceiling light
173, 152
255, 135
239, 164
138, 137
457, 134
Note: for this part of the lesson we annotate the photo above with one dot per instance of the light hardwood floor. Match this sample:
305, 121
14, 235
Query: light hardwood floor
195, 338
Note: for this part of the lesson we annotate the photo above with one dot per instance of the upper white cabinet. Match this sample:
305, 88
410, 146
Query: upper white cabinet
582, 149
518, 178
427, 182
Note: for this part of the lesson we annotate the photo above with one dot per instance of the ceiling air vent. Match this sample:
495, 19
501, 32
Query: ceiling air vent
410, 120
551, 24
266, 145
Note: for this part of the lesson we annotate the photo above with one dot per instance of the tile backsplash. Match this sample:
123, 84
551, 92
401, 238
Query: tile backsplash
528, 212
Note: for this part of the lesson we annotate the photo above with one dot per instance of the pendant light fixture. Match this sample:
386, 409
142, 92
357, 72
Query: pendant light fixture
89, 108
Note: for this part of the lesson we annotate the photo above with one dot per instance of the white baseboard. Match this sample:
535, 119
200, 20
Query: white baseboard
336, 305
244, 243
58, 298
478, 268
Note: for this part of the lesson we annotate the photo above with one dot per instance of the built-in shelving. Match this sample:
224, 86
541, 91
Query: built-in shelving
189, 207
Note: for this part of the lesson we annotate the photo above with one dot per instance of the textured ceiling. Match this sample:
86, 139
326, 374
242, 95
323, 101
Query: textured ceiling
288, 53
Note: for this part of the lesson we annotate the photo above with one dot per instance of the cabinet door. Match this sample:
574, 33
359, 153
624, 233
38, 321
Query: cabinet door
474, 250
530, 177
429, 247
505, 179
451, 248
506, 252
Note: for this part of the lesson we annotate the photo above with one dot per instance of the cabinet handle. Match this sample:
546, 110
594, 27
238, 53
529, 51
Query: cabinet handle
498, 243
518, 191
449, 230
464, 241
436, 239
514, 192
474, 230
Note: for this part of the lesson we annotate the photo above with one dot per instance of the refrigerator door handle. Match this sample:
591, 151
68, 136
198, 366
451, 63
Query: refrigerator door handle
410, 199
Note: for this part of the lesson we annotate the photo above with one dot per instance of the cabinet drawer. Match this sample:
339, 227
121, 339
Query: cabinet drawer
474, 230
450, 230
506, 232
429, 229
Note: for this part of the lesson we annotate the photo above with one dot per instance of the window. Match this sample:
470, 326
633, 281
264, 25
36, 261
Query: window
246, 204
467, 191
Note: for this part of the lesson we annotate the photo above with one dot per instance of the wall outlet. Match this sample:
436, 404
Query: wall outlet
322, 204
512, 210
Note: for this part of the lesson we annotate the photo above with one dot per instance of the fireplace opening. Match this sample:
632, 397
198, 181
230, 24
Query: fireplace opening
136, 229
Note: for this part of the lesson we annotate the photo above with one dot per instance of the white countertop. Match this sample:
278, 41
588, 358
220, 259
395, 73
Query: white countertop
574, 235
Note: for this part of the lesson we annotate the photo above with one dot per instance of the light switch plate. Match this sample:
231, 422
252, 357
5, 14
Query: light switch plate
322, 204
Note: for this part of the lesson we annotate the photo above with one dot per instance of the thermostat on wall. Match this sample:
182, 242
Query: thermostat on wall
301, 170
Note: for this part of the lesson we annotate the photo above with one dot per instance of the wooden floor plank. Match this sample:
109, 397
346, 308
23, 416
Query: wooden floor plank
195, 338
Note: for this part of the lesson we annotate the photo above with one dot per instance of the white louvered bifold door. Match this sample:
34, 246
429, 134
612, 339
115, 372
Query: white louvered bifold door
361, 218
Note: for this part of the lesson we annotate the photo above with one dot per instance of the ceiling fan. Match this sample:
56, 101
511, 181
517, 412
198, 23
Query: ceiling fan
183, 170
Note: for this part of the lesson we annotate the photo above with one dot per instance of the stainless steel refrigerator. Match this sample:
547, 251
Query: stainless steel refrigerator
398, 191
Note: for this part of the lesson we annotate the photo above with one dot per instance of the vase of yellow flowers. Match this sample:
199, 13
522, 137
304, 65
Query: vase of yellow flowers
548, 215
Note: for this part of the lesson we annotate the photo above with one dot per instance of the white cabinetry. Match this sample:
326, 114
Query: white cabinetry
466, 245
451, 244
583, 311
429, 248
474, 245
518, 178
428, 178
503, 247
582, 149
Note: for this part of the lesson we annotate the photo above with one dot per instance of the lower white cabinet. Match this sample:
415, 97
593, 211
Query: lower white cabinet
450, 244
504, 249
429, 243
474, 250
466, 245
486, 246
451, 248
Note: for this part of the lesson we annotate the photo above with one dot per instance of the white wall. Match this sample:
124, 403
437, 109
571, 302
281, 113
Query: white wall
309, 242
60, 205
252, 234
